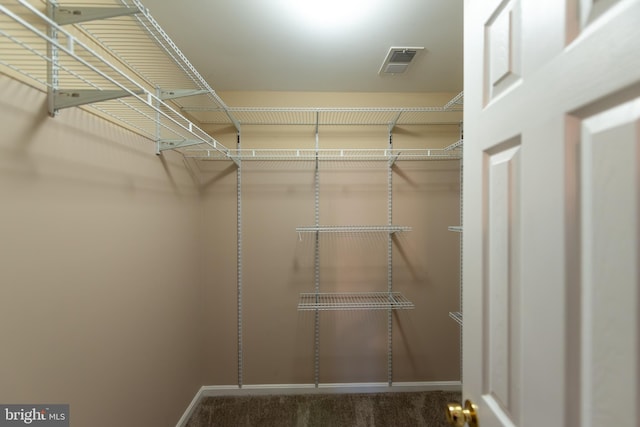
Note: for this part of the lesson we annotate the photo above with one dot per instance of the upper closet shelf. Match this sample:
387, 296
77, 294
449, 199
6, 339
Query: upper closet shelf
450, 114
114, 57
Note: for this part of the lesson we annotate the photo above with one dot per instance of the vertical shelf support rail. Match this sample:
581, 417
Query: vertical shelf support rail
316, 258
159, 146
390, 163
238, 162
52, 65
461, 139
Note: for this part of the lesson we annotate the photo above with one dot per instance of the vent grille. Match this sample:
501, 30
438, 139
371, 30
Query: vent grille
402, 56
398, 59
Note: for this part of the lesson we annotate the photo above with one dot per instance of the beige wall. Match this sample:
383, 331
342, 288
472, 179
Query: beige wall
279, 196
99, 277
118, 275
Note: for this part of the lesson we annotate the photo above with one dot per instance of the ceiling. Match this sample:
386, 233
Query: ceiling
273, 45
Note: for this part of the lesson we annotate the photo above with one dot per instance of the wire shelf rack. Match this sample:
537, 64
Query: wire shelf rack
331, 116
354, 301
148, 49
125, 67
77, 69
325, 154
353, 229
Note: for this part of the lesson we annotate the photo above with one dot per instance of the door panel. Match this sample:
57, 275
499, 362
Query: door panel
502, 49
502, 287
551, 236
609, 265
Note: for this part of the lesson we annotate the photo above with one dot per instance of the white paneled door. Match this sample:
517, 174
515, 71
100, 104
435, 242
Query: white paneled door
552, 212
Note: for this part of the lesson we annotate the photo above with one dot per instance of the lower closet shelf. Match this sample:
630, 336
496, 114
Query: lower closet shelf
353, 229
354, 301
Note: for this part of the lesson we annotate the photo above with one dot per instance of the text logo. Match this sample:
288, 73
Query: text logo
34, 415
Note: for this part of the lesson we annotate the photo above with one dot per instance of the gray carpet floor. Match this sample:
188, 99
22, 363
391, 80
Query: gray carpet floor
411, 409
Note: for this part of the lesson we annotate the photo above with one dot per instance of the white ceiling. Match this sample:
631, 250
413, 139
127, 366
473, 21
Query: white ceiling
270, 45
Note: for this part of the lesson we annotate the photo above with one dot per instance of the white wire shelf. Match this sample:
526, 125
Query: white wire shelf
149, 50
456, 228
332, 116
126, 68
353, 229
336, 154
457, 316
354, 301
75, 70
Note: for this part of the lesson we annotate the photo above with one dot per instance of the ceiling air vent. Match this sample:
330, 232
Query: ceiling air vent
398, 59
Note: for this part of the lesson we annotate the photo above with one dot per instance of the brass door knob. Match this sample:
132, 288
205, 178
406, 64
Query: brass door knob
458, 416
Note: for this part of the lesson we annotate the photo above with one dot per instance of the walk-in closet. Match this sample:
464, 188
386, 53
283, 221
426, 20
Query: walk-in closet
166, 241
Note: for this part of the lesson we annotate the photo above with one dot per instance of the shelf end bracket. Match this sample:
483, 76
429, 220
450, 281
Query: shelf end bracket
74, 15
181, 93
172, 144
65, 98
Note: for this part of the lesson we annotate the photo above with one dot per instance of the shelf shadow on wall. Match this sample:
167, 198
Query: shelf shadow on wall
400, 329
79, 151
439, 178
172, 180
217, 177
25, 137
415, 274
402, 174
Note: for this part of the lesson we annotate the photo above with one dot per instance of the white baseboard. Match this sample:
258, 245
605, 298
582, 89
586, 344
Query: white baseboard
335, 388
